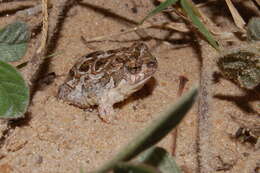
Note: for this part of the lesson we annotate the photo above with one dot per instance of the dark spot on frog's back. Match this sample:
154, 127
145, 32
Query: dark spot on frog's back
100, 64
120, 59
84, 67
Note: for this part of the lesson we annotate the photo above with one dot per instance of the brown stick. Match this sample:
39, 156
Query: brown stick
182, 81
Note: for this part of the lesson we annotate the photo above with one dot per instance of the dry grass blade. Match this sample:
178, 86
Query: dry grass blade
181, 27
35, 61
258, 2
45, 26
240, 23
30, 11
217, 31
101, 38
203, 4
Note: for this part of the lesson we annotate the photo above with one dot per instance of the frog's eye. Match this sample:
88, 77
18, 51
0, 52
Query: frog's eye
151, 64
134, 70
84, 67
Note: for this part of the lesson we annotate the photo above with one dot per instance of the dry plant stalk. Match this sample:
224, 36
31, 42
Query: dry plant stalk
49, 27
240, 23
30, 11
100, 38
181, 27
44, 27
205, 155
35, 61
258, 2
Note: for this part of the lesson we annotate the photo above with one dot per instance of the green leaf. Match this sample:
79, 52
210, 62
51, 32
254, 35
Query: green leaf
159, 158
155, 132
159, 8
14, 93
242, 66
253, 29
13, 52
13, 41
123, 167
191, 12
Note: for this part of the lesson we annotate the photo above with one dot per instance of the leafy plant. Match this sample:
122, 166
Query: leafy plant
253, 29
13, 41
242, 65
14, 92
191, 12
159, 158
125, 167
153, 133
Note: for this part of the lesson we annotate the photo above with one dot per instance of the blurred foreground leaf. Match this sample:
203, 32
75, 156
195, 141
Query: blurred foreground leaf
126, 167
13, 41
253, 29
14, 93
155, 131
159, 158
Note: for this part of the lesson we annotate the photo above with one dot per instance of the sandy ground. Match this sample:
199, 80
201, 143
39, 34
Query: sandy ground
58, 138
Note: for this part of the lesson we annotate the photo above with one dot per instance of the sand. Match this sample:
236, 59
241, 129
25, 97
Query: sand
55, 137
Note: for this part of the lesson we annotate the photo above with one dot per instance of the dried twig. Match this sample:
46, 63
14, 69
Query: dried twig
100, 38
205, 134
240, 23
258, 2
30, 11
44, 27
181, 27
182, 81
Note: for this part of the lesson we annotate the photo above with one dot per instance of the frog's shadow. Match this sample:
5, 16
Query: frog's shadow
144, 92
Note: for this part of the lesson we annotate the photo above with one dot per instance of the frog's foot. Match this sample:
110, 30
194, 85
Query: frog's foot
107, 113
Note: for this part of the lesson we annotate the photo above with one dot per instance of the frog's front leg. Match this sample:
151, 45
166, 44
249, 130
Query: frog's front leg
106, 112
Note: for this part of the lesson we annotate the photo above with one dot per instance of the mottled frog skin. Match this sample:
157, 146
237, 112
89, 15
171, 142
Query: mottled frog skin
104, 78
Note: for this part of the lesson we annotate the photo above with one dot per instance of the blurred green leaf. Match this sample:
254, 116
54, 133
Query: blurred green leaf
14, 93
191, 12
13, 41
253, 29
155, 132
159, 8
242, 66
160, 159
127, 167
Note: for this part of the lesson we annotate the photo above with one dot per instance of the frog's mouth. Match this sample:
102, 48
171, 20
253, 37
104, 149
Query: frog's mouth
142, 76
